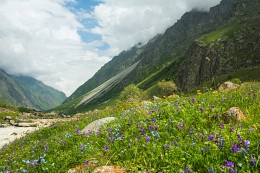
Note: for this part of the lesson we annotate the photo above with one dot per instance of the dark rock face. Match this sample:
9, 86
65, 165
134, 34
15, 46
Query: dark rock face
222, 56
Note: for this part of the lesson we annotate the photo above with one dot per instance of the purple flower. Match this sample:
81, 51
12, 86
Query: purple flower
239, 137
147, 138
181, 124
232, 129
160, 172
106, 148
150, 127
154, 120
211, 170
231, 170
252, 162
229, 164
63, 142
109, 129
235, 148
177, 107
89, 132
221, 125
82, 147
212, 106
247, 143
142, 130
221, 143
210, 138
77, 130
187, 169
223, 98
86, 162
192, 100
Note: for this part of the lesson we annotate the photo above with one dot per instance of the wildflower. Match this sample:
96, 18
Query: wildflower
240, 165
221, 143
155, 134
210, 138
187, 169
247, 143
211, 170
63, 142
142, 130
252, 162
89, 132
232, 130
221, 125
77, 130
229, 164
177, 107
181, 124
82, 147
106, 148
239, 137
150, 127
98, 133
160, 172
212, 106
86, 162
235, 148
147, 138
154, 120
192, 100
232, 170
155, 127
109, 129
223, 98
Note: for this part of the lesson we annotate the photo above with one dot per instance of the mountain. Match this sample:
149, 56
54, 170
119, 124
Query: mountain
28, 92
201, 48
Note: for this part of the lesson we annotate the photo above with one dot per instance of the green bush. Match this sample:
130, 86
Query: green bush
236, 81
162, 88
131, 94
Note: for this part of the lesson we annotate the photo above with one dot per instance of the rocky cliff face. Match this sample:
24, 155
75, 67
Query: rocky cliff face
235, 46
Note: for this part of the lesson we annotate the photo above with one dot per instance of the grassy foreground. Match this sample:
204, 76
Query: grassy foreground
169, 135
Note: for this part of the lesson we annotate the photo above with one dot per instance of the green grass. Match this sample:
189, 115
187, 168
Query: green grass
169, 135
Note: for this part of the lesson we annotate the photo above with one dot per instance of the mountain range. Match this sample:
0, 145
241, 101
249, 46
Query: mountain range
28, 92
200, 49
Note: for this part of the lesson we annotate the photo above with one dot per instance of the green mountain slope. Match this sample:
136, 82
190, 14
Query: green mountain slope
199, 47
28, 92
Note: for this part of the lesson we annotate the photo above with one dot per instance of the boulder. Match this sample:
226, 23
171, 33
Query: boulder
110, 169
95, 125
234, 114
8, 118
27, 125
227, 86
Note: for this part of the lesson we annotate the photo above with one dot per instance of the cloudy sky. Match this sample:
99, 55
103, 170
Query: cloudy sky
64, 42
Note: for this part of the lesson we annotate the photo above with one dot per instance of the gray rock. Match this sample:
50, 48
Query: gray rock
95, 125
12, 122
8, 118
26, 125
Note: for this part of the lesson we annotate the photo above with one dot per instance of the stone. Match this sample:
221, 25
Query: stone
27, 125
12, 122
95, 125
8, 118
227, 86
109, 169
234, 114
156, 98
14, 133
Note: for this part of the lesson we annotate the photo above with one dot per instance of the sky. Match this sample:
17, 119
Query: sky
64, 42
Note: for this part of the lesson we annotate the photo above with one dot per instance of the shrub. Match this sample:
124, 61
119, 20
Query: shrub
131, 94
236, 81
162, 88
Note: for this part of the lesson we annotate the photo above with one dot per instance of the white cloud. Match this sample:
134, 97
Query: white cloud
39, 38
125, 23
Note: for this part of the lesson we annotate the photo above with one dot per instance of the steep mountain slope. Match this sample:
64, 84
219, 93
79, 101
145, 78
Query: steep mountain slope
28, 92
200, 46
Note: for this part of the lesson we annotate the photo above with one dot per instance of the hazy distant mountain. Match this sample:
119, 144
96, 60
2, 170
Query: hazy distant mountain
28, 92
200, 47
